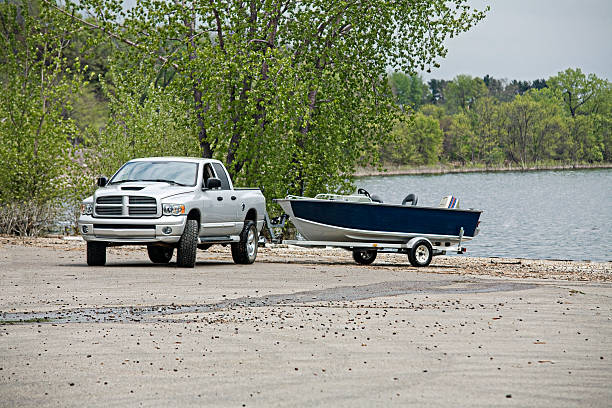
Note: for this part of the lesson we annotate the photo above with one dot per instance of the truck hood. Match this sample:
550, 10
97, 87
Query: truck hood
158, 190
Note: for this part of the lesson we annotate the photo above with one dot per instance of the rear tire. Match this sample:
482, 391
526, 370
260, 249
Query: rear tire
364, 257
420, 254
160, 254
96, 253
245, 251
188, 245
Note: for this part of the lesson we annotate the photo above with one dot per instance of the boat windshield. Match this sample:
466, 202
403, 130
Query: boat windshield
173, 172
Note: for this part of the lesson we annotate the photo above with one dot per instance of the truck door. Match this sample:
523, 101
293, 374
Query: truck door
218, 212
230, 201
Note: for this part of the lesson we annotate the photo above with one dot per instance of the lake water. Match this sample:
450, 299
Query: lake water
538, 215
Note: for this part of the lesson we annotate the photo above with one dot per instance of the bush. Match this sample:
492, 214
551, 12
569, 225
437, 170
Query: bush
27, 219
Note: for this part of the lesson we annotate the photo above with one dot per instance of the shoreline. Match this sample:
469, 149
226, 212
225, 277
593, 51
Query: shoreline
445, 169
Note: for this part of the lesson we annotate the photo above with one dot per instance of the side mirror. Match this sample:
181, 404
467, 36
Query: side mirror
213, 182
102, 181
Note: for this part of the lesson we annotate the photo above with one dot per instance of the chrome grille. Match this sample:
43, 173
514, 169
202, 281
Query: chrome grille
110, 200
142, 200
126, 206
109, 210
142, 211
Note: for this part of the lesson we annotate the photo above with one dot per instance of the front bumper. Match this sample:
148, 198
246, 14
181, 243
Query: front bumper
132, 231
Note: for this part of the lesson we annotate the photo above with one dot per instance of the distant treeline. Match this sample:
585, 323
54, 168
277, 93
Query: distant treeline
566, 118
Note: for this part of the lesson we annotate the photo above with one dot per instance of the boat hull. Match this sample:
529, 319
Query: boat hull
325, 220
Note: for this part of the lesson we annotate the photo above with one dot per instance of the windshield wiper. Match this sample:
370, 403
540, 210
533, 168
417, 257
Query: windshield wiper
174, 183
122, 181
156, 180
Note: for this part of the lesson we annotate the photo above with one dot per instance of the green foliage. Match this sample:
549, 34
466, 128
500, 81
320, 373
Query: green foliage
581, 93
416, 141
38, 86
144, 120
290, 95
462, 92
409, 90
563, 119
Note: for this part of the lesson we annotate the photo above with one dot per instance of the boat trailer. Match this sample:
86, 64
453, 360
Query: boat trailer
420, 249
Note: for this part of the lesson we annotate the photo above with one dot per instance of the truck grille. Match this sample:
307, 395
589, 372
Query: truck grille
142, 210
110, 200
142, 200
108, 211
126, 206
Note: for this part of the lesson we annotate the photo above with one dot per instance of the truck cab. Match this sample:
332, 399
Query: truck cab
169, 203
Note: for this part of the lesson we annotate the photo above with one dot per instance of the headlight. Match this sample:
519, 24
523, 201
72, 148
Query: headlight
86, 208
173, 209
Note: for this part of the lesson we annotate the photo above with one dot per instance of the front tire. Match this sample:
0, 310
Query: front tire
160, 254
420, 254
245, 251
364, 257
188, 245
96, 253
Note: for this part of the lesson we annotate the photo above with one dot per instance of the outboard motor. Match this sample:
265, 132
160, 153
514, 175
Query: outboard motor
410, 198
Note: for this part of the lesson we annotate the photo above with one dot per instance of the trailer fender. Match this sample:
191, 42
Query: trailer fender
413, 241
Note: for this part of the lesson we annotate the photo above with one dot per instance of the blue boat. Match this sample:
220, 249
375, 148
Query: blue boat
361, 222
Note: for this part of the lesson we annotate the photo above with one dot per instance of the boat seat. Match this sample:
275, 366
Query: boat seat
375, 198
410, 198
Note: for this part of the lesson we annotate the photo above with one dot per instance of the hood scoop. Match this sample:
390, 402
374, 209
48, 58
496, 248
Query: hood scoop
134, 188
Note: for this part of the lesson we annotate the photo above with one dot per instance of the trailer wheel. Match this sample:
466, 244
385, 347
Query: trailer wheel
187, 246
420, 254
96, 253
160, 254
245, 251
364, 256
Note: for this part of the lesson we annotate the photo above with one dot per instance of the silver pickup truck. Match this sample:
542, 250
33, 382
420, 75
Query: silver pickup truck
172, 202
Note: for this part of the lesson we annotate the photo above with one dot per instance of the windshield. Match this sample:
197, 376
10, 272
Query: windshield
172, 172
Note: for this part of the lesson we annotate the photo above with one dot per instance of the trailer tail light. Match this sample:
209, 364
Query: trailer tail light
464, 250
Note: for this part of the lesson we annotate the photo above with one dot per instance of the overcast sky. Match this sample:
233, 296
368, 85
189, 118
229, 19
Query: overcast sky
530, 39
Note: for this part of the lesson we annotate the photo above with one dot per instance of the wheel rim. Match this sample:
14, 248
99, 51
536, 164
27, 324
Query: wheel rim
367, 255
251, 244
422, 254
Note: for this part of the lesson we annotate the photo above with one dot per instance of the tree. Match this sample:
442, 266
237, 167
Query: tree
495, 86
416, 141
579, 91
484, 116
461, 143
288, 94
539, 84
437, 87
38, 84
409, 90
146, 119
463, 91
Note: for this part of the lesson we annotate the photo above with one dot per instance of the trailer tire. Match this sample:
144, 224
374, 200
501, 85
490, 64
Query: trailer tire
244, 252
364, 256
96, 253
188, 245
160, 254
421, 253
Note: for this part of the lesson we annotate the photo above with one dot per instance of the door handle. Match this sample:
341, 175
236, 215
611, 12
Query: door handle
233, 197
219, 198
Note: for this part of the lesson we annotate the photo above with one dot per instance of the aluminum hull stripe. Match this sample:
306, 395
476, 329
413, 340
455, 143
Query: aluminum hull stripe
323, 231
